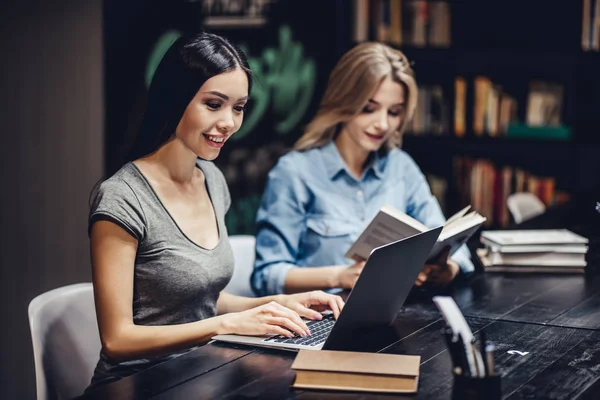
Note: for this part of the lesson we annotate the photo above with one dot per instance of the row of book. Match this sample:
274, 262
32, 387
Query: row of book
546, 250
495, 112
487, 187
439, 188
590, 25
432, 114
417, 23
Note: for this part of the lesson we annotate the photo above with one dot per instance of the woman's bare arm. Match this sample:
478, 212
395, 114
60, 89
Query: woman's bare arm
229, 303
305, 279
113, 256
113, 252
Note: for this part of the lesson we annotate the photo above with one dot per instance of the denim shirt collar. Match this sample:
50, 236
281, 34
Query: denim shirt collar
334, 163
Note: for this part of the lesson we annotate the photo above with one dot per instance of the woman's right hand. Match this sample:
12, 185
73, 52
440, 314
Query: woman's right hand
270, 318
348, 275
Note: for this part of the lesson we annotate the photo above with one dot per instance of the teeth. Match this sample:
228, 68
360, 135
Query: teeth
215, 139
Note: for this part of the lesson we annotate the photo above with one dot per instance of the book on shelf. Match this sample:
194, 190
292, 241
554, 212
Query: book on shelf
356, 371
545, 250
494, 109
544, 104
431, 115
460, 108
590, 25
486, 187
390, 225
417, 23
439, 188
495, 112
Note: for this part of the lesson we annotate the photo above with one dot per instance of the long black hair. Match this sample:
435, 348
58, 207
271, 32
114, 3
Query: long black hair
188, 63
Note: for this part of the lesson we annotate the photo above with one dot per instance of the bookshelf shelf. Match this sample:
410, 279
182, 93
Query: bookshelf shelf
497, 50
538, 154
451, 140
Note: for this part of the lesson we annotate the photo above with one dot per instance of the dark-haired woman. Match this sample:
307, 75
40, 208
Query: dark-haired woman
159, 246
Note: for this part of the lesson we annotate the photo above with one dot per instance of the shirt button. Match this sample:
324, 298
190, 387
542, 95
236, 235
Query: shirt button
359, 193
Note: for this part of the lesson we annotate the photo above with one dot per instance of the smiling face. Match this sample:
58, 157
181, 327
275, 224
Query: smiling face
215, 113
379, 119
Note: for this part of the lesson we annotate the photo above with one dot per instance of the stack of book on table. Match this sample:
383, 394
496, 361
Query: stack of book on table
545, 250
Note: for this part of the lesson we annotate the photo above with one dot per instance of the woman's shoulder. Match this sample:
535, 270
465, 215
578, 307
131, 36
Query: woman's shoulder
122, 189
215, 178
120, 182
210, 170
116, 198
398, 158
296, 161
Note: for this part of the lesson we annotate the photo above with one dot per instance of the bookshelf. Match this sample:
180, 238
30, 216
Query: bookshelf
516, 45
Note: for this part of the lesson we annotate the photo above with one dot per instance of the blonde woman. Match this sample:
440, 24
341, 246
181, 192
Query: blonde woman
320, 196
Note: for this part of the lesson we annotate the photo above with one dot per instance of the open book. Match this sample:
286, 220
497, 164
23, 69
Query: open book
390, 225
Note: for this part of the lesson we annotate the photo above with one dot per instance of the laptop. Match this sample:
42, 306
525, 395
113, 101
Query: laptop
375, 300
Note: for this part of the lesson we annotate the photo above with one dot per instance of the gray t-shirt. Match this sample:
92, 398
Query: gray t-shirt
176, 281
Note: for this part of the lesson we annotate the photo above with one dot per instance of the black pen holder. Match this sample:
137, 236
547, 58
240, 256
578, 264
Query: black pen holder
473, 388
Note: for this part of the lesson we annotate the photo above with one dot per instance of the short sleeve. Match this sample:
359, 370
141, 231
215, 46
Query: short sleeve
226, 195
116, 201
222, 186
221, 194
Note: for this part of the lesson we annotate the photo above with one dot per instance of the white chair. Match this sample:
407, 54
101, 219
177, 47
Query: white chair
524, 206
66, 343
243, 253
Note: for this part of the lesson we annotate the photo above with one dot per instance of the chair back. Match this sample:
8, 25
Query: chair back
243, 253
66, 342
524, 206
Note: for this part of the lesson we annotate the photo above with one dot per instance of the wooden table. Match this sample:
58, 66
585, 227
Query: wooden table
553, 320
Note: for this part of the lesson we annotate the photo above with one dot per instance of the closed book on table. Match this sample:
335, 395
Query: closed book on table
367, 372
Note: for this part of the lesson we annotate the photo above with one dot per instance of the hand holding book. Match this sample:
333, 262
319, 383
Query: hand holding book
346, 276
439, 272
390, 225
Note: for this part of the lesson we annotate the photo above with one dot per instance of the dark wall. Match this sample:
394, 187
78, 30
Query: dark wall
51, 154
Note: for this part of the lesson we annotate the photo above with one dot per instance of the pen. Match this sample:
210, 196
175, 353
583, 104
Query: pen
454, 350
477, 360
482, 350
467, 361
489, 357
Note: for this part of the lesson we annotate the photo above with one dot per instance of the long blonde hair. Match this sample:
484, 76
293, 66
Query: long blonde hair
352, 83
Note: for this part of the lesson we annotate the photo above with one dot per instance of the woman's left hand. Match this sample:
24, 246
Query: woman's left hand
310, 304
439, 273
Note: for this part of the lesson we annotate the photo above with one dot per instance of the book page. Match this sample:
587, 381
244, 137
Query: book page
534, 236
461, 221
382, 230
468, 221
457, 216
407, 219
538, 248
535, 259
454, 241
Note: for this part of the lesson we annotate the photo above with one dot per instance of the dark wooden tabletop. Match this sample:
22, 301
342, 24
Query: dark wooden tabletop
551, 322
546, 329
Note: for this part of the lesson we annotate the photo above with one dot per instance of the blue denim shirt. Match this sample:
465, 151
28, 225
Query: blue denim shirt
313, 209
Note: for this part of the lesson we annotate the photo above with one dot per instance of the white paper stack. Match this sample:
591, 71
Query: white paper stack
541, 250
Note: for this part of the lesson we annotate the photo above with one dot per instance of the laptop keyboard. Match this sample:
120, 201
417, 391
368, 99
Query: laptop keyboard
319, 330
